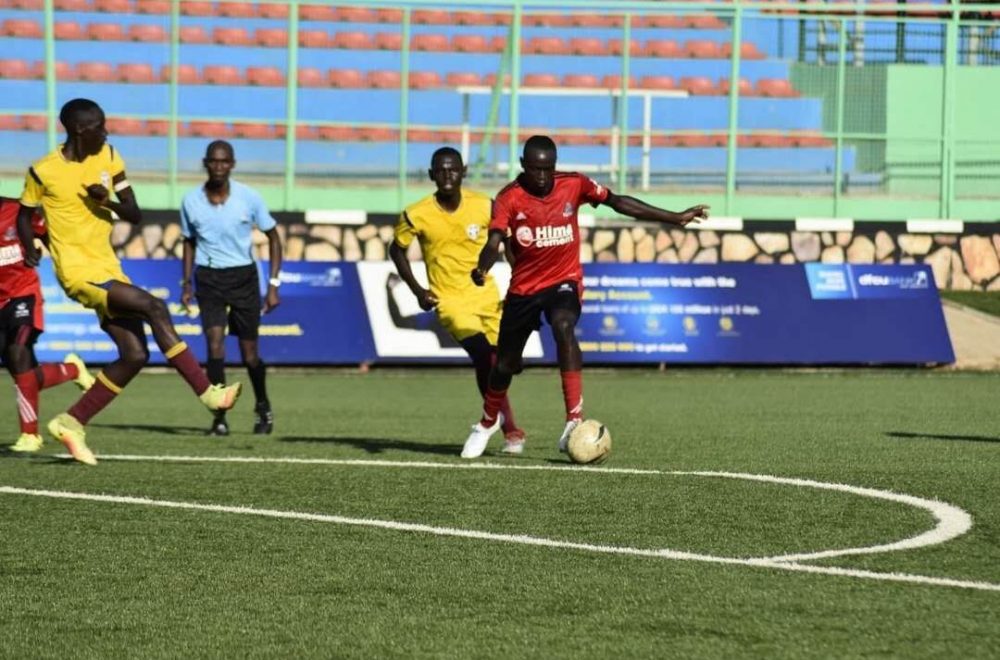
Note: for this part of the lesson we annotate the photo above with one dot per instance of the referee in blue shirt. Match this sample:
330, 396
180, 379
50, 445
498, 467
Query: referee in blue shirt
217, 221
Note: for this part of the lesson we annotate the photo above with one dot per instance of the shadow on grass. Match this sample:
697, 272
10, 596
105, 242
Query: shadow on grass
48, 459
906, 435
154, 428
379, 445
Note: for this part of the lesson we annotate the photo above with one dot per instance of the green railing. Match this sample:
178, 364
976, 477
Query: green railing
905, 139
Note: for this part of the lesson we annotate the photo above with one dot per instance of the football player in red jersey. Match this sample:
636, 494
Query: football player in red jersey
20, 324
538, 211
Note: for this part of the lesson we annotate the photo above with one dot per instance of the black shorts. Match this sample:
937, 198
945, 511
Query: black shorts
229, 295
17, 323
522, 315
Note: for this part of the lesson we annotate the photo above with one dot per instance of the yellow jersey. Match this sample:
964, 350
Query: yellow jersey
450, 241
79, 230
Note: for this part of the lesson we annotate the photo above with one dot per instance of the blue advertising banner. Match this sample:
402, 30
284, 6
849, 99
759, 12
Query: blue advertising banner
348, 313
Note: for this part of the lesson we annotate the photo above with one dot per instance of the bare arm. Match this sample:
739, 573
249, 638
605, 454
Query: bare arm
272, 299
640, 210
26, 234
487, 257
187, 258
425, 298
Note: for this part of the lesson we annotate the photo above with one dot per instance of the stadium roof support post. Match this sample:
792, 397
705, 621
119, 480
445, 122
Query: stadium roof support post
623, 106
734, 106
948, 112
494, 112
173, 92
291, 101
404, 107
50, 74
838, 156
515, 84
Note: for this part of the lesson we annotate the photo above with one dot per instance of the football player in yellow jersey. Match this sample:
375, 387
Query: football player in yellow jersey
73, 187
451, 226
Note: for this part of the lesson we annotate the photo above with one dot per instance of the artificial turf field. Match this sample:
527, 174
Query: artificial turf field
562, 565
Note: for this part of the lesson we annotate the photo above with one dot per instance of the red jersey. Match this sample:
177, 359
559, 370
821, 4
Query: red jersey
544, 232
16, 279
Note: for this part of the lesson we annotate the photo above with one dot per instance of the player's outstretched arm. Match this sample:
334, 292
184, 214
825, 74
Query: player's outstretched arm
26, 234
425, 298
126, 208
640, 210
487, 257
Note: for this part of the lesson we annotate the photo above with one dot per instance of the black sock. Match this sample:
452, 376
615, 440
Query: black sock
481, 352
216, 371
257, 379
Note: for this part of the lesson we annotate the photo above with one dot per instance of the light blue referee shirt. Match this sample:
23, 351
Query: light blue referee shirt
224, 233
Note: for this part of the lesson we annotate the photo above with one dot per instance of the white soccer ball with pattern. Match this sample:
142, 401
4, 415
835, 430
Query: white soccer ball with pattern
589, 443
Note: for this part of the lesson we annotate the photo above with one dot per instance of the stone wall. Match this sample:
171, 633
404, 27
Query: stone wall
966, 261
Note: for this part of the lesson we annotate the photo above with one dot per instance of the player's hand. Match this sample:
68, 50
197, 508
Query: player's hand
97, 192
693, 214
478, 276
426, 300
32, 257
271, 300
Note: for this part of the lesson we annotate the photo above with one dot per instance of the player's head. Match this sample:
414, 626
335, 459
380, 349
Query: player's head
539, 164
447, 171
84, 123
219, 161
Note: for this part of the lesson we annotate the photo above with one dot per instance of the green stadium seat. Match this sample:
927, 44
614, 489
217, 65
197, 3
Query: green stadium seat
21, 28
265, 76
134, 72
68, 31
145, 32
106, 32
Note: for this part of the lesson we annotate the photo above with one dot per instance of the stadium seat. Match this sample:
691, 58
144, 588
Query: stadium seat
635, 48
265, 76
383, 79
776, 87
301, 132
271, 37
657, 82
698, 86
424, 79
312, 77
547, 20
231, 36
337, 133
11, 123
152, 6
581, 139
221, 74
540, 80
436, 43
470, 43
389, 15
388, 41
356, 15
472, 18
215, 130
597, 20
377, 134
135, 73
491, 78
272, 10
21, 28
745, 88
236, 10
106, 32
662, 21
254, 131
146, 33
36, 123
353, 40
157, 127
498, 44
346, 78
187, 74
64, 71
26, 5
702, 49
72, 5
112, 6
451, 137
463, 79
423, 135
580, 80
704, 22
95, 72
194, 34
665, 48
545, 46
430, 17
317, 13
587, 46
15, 70
614, 81
808, 139
122, 126
314, 39
196, 8
748, 51
68, 31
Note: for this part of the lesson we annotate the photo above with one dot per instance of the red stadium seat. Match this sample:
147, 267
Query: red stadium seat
272, 10
702, 49
463, 79
597, 20
389, 15
580, 80
614, 81
436, 43
698, 86
301, 132
745, 88
209, 129
271, 37
346, 78
666, 48
545, 46
254, 131
187, 74
11, 123
574, 139
635, 48
197, 8
27, 5
425, 79
748, 51
95, 72
547, 20
451, 137
106, 32
231, 36
338, 133
657, 82
776, 87
356, 15
314, 39
663, 21
704, 22
311, 77
587, 46
265, 76
152, 6
236, 10
423, 135
122, 126
810, 140
470, 43
68, 31
72, 5
491, 78
377, 134
353, 41
64, 71
112, 6
157, 127
430, 17
146, 33
383, 79
135, 73
36, 123
472, 18
498, 44
221, 74
317, 13
15, 70
388, 41
194, 34
541, 80
21, 28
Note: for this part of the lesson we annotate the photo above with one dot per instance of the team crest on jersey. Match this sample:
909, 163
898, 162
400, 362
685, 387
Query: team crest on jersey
525, 236
567, 210
472, 231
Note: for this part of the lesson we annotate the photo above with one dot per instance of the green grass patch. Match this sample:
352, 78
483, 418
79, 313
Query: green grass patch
984, 301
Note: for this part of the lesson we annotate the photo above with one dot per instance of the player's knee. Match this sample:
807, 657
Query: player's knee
157, 310
563, 327
508, 365
135, 357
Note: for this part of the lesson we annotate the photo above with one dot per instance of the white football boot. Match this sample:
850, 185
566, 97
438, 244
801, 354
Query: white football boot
564, 438
476, 443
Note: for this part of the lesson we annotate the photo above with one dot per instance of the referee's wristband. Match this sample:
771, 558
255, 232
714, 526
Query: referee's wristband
275, 282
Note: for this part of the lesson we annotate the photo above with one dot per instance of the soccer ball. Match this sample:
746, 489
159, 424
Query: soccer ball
589, 443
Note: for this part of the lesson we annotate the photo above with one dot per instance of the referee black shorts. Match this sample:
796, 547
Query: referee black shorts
522, 315
229, 295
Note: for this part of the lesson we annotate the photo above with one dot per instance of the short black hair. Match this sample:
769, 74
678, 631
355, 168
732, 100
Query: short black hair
539, 143
220, 144
446, 151
71, 111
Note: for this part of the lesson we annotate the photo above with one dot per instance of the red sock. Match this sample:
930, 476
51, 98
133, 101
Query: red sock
26, 393
509, 425
95, 399
491, 406
51, 374
182, 359
572, 386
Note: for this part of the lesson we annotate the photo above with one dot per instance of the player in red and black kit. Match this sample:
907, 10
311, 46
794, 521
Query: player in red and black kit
538, 211
20, 324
